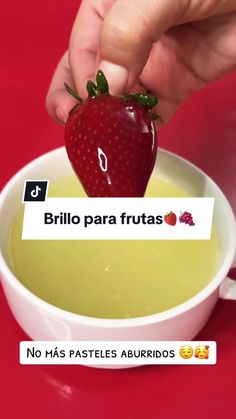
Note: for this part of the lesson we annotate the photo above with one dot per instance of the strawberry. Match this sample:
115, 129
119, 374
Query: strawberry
170, 218
111, 141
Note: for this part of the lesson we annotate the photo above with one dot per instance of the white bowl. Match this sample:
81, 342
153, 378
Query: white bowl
43, 321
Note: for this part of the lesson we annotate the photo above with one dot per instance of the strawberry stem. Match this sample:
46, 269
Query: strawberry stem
102, 82
73, 93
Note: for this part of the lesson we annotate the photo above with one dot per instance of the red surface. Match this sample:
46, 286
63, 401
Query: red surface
33, 35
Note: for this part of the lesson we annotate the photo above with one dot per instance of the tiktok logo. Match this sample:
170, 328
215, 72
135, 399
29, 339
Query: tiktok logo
35, 190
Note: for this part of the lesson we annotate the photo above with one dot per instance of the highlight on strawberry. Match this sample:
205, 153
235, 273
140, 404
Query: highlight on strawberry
111, 141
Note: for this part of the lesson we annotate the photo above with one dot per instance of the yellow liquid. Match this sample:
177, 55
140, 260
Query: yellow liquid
112, 279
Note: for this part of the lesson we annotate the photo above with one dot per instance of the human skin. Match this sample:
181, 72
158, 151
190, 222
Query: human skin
171, 48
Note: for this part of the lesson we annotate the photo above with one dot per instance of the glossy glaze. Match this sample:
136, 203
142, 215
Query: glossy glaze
112, 146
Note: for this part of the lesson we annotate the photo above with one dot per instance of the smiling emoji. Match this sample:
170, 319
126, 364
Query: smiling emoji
186, 351
202, 352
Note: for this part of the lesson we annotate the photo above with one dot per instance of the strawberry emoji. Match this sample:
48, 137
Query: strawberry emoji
170, 218
111, 141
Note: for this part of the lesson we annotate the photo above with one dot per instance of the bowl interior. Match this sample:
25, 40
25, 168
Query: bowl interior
55, 165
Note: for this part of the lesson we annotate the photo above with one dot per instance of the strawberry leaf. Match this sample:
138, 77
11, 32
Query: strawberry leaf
91, 88
102, 82
73, 93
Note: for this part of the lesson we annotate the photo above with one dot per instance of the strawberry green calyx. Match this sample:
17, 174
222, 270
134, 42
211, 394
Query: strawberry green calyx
148, 101
73, 93
91, 89
102, 84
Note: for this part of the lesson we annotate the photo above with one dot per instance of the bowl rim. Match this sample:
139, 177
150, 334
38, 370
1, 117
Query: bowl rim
180, 309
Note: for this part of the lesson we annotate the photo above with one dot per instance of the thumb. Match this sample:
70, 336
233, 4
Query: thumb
127, 35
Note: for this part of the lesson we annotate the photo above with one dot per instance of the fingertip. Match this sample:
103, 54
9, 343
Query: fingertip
61, 114
59, 104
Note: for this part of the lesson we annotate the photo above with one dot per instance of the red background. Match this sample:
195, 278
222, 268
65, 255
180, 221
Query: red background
33, 35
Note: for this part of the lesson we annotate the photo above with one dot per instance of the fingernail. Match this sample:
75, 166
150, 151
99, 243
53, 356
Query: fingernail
116, 75
62, 115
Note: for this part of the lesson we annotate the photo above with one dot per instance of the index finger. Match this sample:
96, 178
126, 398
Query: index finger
84, 41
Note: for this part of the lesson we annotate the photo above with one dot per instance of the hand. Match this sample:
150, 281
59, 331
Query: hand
171, 48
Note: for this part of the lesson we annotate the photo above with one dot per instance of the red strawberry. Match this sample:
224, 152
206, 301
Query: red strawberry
111, 141
170, 218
